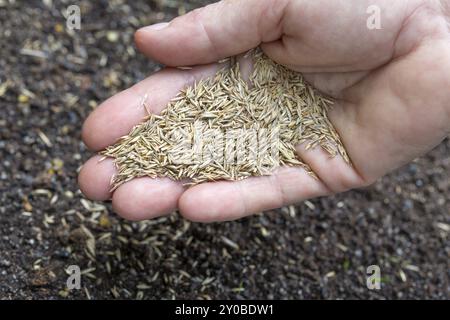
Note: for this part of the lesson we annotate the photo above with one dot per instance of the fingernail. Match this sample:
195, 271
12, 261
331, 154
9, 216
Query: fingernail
157, 26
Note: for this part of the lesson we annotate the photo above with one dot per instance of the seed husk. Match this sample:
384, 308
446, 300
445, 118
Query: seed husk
227, 128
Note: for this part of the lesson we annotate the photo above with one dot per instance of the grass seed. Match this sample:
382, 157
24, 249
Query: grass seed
227, 128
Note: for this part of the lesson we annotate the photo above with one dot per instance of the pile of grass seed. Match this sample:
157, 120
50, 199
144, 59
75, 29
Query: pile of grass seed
271, 113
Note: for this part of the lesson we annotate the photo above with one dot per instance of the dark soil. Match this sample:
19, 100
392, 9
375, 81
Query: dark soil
319, 249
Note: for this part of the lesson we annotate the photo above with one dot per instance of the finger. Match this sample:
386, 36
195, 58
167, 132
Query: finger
313, 42
334, 172
94, 178
146, 198
229, 200
334, 84
118, 115
139, 199
214, 32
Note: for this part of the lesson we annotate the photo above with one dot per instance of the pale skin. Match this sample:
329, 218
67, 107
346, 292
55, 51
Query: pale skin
392, 91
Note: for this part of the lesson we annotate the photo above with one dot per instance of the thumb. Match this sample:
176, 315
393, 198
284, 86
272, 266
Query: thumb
214, 32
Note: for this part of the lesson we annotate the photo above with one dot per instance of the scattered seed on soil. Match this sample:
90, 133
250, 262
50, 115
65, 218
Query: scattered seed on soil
394, 224
227, 128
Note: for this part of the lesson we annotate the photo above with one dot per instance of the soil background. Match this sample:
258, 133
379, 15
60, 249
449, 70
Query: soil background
52, 78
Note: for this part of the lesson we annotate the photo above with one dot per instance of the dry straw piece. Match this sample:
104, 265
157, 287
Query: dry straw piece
226, 128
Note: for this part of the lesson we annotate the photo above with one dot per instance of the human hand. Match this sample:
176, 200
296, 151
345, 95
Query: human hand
391, 88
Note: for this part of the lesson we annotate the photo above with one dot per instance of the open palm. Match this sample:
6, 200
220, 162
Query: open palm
391, 86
